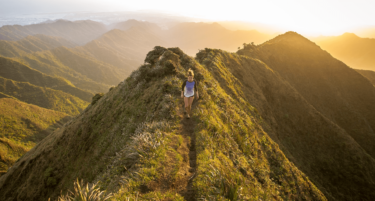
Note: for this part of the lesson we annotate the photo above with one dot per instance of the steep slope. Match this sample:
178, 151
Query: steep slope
82, 71
354, 51
16, 71
42, 96
22, 126
79, 32
342, 96
194, 36
32, 44
370, 75
135, 136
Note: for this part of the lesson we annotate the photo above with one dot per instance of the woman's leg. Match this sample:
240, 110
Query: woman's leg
190, 103
186, 100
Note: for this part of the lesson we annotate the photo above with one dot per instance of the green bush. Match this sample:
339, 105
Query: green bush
96, 98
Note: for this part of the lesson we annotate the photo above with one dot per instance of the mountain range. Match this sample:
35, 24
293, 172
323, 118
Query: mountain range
79, 32
283, 120
354, 51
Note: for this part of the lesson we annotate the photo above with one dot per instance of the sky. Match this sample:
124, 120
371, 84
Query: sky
327, 17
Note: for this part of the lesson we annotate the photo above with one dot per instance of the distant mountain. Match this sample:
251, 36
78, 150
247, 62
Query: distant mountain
329, 133
126, 25
81, 70
194, 36
356, 52
368, 32
79, 32
242, 25
370, 75
31, 44
42, 96
16, 71
123, 49
22, 126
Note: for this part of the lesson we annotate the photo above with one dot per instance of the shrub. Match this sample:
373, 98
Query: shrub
96, 98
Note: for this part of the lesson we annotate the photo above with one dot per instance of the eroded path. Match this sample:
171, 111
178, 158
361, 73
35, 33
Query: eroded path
187, 132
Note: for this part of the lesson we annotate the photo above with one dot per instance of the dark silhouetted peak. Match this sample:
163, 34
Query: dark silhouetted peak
290, 37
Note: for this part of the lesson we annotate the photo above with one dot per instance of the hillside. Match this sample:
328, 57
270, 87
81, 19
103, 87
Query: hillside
16, 71
79, 32
42, 96
354, 51
22, 126
344, 99
82, 71
31, 44
136, 135
370, 75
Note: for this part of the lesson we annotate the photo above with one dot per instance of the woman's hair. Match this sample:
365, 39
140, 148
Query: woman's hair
190, 72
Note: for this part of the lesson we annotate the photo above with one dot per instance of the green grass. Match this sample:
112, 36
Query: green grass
13, 70
83, 71
43, 97
22, 126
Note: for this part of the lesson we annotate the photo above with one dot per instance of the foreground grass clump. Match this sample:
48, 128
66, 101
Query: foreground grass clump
85, 193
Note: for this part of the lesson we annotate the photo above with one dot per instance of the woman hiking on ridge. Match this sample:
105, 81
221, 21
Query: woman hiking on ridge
187, 91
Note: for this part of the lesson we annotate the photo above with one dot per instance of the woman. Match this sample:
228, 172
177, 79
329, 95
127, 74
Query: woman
188, 88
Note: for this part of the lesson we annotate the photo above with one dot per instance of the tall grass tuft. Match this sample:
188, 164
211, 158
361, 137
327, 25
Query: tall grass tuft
85, 193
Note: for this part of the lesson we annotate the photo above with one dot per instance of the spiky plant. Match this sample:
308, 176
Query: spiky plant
85, 193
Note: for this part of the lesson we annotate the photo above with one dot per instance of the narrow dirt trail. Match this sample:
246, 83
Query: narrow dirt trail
187, 131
